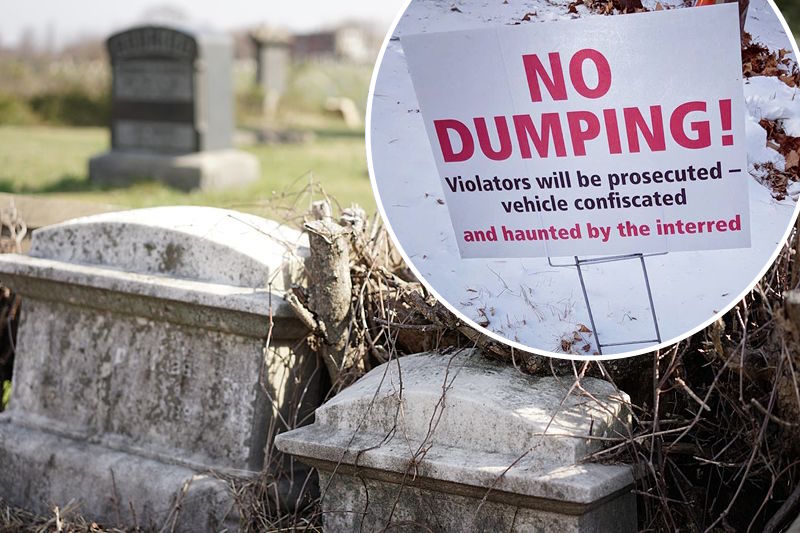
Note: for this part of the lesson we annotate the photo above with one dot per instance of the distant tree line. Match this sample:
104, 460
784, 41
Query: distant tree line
71, 107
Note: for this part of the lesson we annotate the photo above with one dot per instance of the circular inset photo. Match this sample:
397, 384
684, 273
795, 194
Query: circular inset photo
581, 185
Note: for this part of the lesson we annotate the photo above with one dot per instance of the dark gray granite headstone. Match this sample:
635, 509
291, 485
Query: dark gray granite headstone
171, 90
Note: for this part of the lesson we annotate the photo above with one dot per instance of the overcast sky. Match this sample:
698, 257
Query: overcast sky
69, 19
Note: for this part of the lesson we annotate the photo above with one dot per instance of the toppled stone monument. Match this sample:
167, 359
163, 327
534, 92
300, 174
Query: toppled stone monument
459, 443
172, 116
155, 355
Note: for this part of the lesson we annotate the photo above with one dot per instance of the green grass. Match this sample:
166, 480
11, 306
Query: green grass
53, 161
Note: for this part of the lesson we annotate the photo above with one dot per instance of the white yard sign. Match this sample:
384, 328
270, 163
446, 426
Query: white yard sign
600, 136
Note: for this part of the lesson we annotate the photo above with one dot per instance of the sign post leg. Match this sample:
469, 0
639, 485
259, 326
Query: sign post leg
612, 259
588, 305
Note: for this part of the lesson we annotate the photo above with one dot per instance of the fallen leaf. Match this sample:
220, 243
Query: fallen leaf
792, 159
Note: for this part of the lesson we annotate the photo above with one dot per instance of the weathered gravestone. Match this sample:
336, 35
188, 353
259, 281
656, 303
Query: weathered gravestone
273, 59
172, 111
458, 443
155, 353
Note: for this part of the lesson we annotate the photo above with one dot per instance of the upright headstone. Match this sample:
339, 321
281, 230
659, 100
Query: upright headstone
172, 116
439, 442
273, 59
155, 353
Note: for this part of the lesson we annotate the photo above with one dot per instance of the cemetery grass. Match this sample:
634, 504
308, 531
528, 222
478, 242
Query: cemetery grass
53, 161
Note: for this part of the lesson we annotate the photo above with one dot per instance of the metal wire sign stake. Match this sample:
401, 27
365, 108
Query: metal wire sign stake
612, 259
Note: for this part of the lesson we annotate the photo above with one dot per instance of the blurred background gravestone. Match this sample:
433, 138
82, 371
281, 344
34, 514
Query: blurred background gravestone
172, 112
273, 60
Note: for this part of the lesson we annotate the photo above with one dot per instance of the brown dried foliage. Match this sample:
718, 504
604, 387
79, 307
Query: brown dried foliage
66, 520
787, 146
758, 60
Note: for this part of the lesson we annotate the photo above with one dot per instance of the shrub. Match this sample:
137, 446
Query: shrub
74, 107
249, 103
15, 111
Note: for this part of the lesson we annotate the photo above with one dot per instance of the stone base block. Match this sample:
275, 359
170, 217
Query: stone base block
355, 503
112, 487
211, 170
435, 442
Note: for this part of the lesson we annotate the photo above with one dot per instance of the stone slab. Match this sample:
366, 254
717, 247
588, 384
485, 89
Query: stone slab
455, 430
155, 388
156, 340
203, 244
115, 488
212, 306
456, 469
217, 269
146, 329
211, 170
416, 509
488, 407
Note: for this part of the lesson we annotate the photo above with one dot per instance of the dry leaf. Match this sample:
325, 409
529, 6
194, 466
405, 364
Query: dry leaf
792, 159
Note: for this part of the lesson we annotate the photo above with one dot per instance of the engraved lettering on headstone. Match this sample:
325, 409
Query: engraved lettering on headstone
148, 80
154, 136
120, 355
154, 91
179, 366
186, 371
